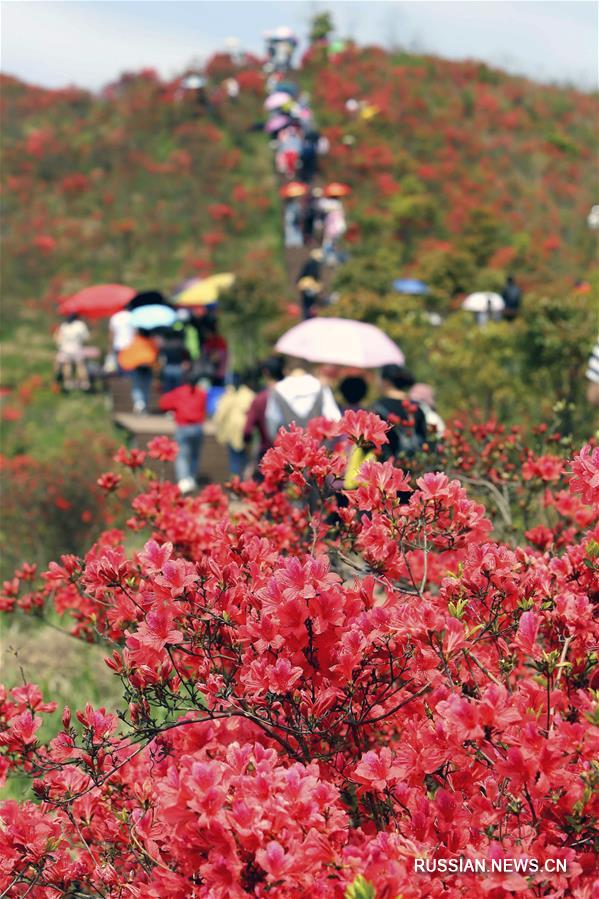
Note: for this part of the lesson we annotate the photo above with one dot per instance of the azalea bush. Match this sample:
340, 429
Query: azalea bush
527, 370
54, 505
319, 686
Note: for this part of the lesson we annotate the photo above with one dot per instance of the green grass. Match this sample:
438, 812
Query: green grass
68, 672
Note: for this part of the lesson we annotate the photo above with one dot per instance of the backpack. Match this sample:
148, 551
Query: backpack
286, 414
140, 352
403, 441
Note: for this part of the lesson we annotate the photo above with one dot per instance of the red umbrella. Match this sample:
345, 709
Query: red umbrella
336, 190
293, 189
100, 301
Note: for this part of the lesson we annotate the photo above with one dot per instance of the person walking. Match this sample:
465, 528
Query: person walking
173, 356
334, 228
312, 266
230, 420
592, 376
408, 432
394, 405
512, 297
289, 146
308, 161
424, 395
138, 359
272, 373
353, 390
299, 397
215, 353
188, 403
70, 338
292, 217
121, 333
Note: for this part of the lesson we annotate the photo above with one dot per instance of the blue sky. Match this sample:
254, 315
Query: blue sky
55, 43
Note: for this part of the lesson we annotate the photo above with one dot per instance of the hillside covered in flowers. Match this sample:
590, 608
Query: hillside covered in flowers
310, 685
455, 168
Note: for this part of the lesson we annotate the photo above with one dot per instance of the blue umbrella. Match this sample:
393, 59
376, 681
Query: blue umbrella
149, 317
410, 285
287, 87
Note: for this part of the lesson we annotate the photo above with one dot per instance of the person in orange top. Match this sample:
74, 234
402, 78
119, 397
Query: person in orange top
188, 403
137, 359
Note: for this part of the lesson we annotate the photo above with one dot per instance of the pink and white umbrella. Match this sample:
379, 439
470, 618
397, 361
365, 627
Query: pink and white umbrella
276, 100
277, 123
340, 341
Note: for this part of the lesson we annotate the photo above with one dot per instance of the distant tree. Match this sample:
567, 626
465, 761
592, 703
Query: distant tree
321, 27
483, 233
373, 271
414, 216
449, 271
247, 308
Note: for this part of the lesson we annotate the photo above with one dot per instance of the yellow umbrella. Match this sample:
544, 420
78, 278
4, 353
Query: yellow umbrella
369, 112
206, 291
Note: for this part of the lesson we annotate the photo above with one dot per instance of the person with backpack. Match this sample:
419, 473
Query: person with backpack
408, 432
308, 161
512, 297
137, 360
173, 358
299, 398
188, 403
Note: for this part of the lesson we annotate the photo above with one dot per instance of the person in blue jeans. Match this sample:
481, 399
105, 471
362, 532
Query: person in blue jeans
188, 403
173, 355
141, 388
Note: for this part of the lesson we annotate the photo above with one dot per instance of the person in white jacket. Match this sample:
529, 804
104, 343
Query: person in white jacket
299, 398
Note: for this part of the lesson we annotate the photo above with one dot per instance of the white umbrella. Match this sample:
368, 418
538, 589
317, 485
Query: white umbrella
340, 341
483, 302
193, 82
593, 218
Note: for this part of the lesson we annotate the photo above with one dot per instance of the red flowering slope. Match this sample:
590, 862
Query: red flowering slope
315, 695
459, 167
136, 185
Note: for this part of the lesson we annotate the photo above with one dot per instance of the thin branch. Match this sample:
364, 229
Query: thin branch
480, 665
426, 689
562, 658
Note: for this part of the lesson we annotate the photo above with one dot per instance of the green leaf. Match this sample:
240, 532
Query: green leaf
360, 889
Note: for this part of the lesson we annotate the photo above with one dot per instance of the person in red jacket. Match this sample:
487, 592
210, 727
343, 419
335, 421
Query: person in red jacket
188, 403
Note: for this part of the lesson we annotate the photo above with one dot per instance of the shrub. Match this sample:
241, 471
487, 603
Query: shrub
54, 505
317, 693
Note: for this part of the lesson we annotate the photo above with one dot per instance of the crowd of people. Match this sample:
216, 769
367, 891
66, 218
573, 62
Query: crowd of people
313, 214
254, 406
191, 355
139, 352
